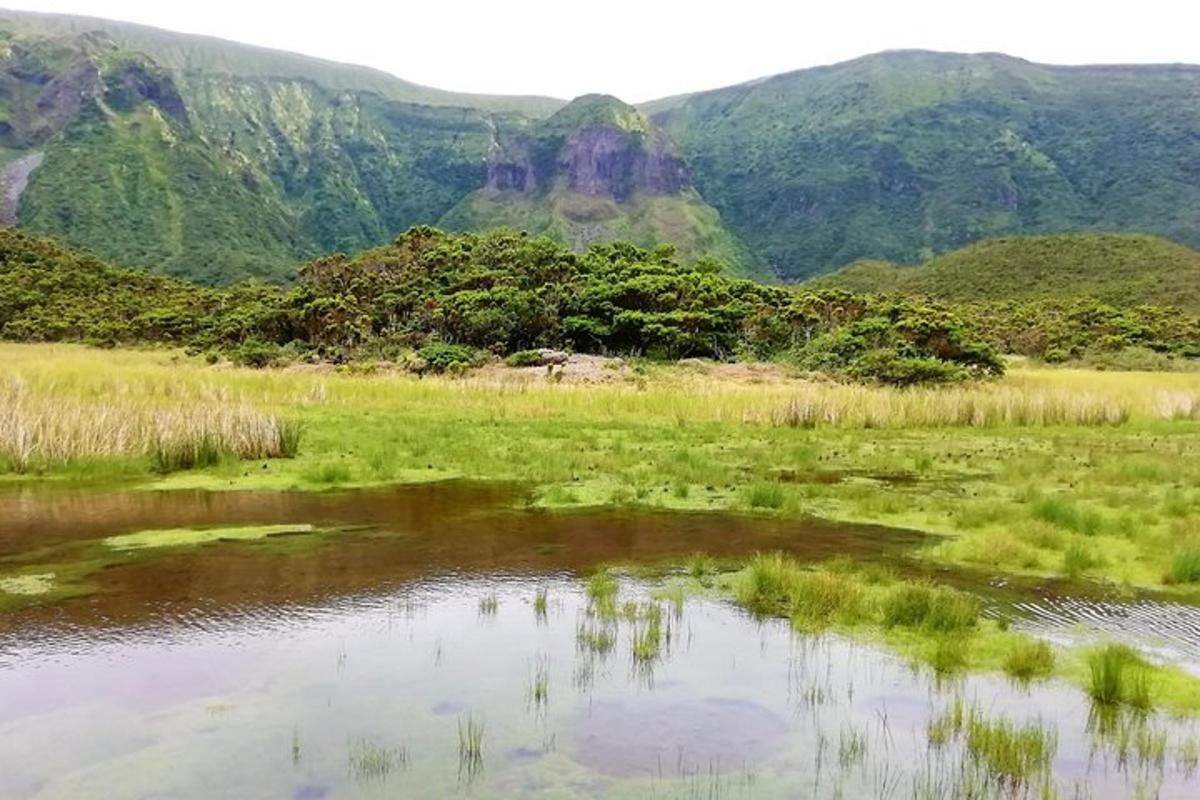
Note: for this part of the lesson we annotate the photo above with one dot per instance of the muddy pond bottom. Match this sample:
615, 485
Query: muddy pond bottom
519, 686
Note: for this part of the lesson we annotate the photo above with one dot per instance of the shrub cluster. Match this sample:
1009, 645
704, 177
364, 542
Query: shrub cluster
444, 302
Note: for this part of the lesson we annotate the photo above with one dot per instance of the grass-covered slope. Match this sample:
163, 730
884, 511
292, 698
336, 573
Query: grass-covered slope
188, 55
1123, 270
216, 177
904, 155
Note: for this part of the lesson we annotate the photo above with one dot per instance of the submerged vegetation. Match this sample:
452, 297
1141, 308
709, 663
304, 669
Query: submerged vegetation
943, 629
1011, 756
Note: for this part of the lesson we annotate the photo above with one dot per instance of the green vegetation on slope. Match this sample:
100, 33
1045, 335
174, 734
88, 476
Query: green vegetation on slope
597, 171
902, 155
1122, 270
1107, 298
216, 177
692, 226
187, 55
437, 293
252, 161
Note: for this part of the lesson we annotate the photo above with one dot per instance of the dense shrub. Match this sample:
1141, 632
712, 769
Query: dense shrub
450, 297
442, 357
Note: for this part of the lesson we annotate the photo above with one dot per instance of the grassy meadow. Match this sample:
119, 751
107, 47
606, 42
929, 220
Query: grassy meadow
1046, 471
1051, 472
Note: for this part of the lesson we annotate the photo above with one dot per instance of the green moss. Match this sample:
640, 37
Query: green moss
188, 537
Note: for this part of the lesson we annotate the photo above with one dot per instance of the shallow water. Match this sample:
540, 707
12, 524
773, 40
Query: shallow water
348, 670
399, 534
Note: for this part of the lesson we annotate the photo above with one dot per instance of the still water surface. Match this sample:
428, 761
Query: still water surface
357, 669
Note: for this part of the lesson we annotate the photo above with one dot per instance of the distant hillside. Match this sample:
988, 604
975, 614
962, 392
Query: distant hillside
213, 176
217, 161
189, 56
597, 171
1123, 270
903, 155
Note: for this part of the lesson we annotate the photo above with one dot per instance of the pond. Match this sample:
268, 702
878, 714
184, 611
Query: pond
444, 644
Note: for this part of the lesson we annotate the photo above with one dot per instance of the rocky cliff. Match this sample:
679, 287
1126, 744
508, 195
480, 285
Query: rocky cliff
596, 170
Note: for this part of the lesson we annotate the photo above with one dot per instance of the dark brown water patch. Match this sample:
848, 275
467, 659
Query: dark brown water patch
410, 533
39, 517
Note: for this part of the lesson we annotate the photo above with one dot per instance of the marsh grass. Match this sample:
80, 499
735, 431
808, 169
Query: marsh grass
595, 639
648, 633
488, 606
936, 609
1029, 659
539, 683
1078, 558
765, 496
1012, 755
700, 566
470, 745
1131, 737
948, 653
540, 606
1119, 675
1185, 566
602, 590
773, 584
370, 762
852, 747
48, 424
636, 443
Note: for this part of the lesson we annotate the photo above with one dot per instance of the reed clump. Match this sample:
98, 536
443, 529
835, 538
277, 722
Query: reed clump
1012, 755
368, 761
1118, 675
44, 427
1029, 659
1185, 566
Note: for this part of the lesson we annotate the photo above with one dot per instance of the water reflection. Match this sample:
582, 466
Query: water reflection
396, 535
414, 692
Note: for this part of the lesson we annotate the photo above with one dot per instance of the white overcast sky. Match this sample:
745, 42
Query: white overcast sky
643, 49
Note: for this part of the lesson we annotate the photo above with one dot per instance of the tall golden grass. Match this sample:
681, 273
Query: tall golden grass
61, 402
39, 425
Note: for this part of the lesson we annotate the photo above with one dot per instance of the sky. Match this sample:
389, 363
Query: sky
644, 49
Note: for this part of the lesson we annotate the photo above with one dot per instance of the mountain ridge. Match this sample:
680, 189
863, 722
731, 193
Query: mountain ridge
267, 159
196, 53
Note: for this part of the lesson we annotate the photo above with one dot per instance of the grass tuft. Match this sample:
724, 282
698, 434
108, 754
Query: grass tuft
368, 761
765, 495
1029, 659
1185, 566
1119, 675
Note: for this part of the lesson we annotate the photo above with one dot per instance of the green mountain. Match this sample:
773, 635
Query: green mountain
225, 165
1122, 270
195, 60
597, 170
216, 161
903, 155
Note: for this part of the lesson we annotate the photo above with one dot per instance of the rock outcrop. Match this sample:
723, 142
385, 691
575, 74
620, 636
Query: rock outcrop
596, 170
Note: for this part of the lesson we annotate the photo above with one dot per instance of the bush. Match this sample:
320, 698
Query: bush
443, 357
525, 358
888, 368
256, 353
